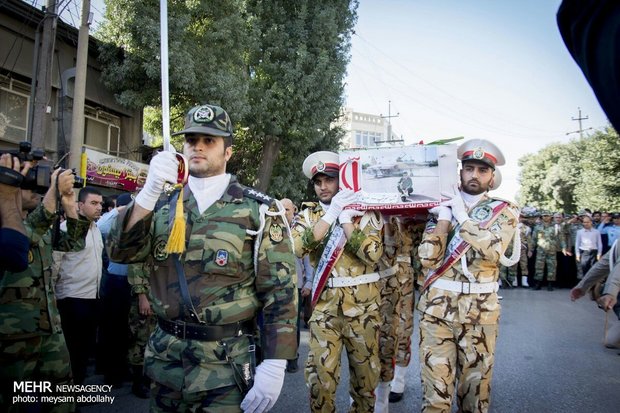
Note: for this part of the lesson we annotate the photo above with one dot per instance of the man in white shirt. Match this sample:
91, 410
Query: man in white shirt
77, 288
588, 245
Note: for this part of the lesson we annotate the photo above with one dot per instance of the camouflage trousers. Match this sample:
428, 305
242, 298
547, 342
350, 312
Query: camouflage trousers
222, 400
513, 270
360, 337
396, 316
41, 358
194, 375
453, 353
140, 328
549, 258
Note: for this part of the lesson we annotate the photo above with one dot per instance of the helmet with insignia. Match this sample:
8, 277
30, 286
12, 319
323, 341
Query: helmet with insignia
207, 120
480, 150
322, 162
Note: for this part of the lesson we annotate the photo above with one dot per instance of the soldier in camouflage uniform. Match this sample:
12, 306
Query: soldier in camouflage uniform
547, 239
32, 345
412, 236
459, 305
238, 262
346, 313
396, 286
142, 323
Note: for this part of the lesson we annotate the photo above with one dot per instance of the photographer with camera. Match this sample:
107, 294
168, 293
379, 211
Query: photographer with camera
13, 241
32, 344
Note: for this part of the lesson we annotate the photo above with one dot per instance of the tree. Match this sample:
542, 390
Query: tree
297, 68
276, 66
583, 173
600, 176
207, 46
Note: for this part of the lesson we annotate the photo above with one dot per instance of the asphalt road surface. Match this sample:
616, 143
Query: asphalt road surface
549, 358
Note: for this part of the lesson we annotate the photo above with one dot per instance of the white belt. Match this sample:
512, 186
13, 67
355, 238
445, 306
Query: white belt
351, 281
465, 288
404, 258
388, 272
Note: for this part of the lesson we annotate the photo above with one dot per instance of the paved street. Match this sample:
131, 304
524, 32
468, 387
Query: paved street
550, 358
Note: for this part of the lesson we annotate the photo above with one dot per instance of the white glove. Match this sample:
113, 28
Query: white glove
163, 168
339, 201
443, 213
456, 204
267, 386
346, 216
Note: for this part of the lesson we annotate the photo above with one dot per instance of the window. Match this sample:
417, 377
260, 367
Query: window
102, 131
14, 105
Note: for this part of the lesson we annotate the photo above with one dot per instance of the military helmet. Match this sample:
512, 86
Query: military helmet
529, 211
545, 212
207, 120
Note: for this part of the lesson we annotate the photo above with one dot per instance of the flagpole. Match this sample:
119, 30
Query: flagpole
165, 97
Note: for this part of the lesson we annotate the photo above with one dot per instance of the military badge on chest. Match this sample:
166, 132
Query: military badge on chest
275, 233
481, 213
221, 257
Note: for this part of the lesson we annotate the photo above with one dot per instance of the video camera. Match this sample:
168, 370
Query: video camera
38, 177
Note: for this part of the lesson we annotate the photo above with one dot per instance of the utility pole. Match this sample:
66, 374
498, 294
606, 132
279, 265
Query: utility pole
579, 119
79, 90
389, 128
41, 108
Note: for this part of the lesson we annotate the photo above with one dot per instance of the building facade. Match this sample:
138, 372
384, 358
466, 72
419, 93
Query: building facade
365, 130
108, 127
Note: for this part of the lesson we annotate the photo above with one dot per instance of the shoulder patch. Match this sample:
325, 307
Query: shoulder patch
508, 201
259, 196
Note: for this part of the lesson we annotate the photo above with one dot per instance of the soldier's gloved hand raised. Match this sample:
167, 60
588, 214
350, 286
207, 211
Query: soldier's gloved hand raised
163, 168
346, 216
456, 204
267, 386
339, 201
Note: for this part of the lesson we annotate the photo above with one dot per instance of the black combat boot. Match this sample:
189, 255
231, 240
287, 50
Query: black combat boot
549, 286
538, 285
141, 383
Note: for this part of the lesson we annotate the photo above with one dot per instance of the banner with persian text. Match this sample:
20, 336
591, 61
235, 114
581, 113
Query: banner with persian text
113, 172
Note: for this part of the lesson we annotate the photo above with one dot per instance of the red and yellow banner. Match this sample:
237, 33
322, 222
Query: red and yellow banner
114, 172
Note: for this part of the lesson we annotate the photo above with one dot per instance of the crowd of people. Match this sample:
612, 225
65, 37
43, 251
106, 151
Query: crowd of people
557, 249
213, 322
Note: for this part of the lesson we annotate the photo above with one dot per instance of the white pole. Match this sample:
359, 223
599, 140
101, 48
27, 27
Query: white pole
165, 103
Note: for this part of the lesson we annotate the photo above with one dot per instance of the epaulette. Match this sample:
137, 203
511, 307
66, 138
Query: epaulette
259, 196
512, 204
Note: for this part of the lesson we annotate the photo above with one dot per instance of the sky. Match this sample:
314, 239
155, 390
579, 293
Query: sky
489, 69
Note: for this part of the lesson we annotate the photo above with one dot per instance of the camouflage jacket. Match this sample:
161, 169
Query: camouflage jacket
219, 264
138, 277
27, 301
544, 237
361, 254
399, 246
487, 246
